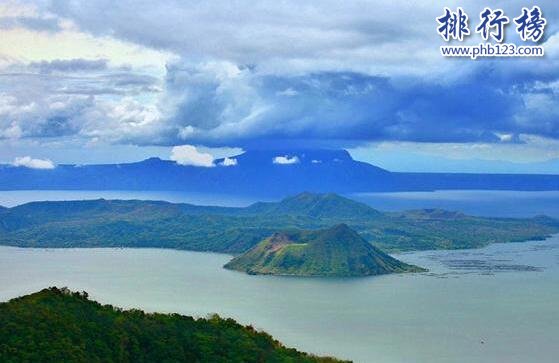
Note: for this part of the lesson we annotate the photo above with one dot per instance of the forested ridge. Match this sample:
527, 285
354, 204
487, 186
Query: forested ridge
58, 325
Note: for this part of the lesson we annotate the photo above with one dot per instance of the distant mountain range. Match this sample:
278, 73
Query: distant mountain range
336, 251
134, 223
261, 173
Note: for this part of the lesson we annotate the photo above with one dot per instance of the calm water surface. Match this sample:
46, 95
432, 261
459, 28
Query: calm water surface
15, 197
496, 304
475, 202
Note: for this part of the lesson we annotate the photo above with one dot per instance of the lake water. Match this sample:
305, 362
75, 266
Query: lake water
495, 304
488, 305
12, 198
476, 202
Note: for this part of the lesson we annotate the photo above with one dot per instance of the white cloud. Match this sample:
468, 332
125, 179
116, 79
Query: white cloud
288, 92
286, 160
189, 155
29, 162
186, 132
229, 162
13, 131
314, 161
30, 45
505, 137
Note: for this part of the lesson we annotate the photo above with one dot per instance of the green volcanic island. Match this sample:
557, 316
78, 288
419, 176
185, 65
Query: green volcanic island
306, 234
337, 251
57, 325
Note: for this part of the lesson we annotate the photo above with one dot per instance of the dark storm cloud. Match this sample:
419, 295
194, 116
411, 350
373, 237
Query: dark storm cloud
296, 72
358, 107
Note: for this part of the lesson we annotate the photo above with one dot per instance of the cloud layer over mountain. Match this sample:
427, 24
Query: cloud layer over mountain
248, 75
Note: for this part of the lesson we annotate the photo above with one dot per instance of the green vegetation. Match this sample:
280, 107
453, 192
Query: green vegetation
117, 223
56, 325
337, 251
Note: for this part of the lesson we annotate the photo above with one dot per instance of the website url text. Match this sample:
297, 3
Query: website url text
491, 50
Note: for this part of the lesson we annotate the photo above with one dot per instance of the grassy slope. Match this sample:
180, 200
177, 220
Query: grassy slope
337, 251
56, 325
235, 230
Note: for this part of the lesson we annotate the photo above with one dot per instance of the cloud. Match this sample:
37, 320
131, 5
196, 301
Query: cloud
229, 162
269, 30
223, 104
33, 23
220, 103
70, 65
288, 92
289, 37
84, 98
289, 75
189, 155
286, 160
11, 131
28, 162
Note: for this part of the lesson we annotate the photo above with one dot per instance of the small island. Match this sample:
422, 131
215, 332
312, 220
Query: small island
338, 251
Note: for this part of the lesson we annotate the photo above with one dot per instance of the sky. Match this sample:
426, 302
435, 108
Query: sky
104, 81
